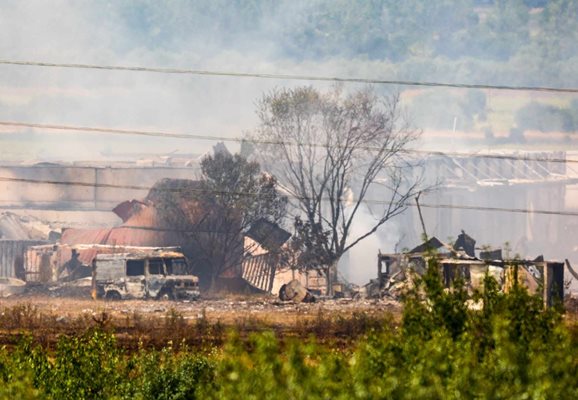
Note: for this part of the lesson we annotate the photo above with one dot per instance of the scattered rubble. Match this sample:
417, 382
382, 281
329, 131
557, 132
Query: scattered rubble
79, 289
11, 287
396, 271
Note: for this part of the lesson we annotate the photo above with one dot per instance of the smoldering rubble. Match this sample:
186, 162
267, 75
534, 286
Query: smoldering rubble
397, 272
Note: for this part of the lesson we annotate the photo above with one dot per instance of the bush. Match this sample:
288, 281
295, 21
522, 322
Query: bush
166, 375
437, 109
545, 118
85, 367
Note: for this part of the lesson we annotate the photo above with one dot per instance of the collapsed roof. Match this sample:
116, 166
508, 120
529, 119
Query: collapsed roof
166, 217
17, 227
268, 234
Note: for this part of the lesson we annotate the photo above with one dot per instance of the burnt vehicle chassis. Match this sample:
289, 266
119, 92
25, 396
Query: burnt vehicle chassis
157, 275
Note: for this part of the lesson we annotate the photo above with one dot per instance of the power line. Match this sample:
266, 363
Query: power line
117, 131
512, 157
366, 201
287, 76
174, 135
498, 209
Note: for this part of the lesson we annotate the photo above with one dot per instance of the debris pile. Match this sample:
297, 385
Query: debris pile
11, 286
294, 291
396, 271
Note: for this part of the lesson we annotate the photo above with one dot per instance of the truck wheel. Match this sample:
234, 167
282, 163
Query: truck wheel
166, 295
112, 295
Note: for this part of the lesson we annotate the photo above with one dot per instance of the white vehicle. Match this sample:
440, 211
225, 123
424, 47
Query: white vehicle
159, 273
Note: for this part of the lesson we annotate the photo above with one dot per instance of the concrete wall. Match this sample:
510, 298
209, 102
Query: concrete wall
92, 194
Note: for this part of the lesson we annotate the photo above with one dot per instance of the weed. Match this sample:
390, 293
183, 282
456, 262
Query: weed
21, 316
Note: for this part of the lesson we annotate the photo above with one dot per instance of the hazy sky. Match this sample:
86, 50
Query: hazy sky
112, 33
181, 34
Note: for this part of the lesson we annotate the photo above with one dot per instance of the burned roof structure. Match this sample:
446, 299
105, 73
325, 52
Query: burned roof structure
395, 270
17, 227
466, 244
431, 244
268, 234
171, 215
17, 234
513, 197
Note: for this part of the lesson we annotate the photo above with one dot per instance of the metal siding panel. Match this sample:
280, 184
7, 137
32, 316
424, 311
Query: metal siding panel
259, 271
257, 276
246, 271
254, 270
2, 254
272, 278
11, 253
263, 271
5, 250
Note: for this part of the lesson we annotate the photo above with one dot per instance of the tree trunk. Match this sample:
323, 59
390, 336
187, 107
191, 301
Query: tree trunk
213, 283
331, 276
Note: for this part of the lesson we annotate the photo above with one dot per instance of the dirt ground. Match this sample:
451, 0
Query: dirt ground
197, 323
266, 309
205, 322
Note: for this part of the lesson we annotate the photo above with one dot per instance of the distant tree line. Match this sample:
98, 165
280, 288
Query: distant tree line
515, 42
546, 117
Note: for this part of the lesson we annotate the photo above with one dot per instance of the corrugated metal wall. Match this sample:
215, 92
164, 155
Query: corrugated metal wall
259, 271
41, 263
12, 256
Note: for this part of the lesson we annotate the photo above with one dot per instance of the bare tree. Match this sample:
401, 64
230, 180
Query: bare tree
329, 150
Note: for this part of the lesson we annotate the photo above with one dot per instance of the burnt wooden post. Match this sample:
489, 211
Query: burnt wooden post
272, 273
553, 283
93, 283
380, 280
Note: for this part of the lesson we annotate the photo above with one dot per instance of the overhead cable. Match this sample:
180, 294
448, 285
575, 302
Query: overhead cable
175, 135
212, 191
287, 76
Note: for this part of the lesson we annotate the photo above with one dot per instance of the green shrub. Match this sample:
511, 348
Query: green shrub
16, 383
167, 375
86, 367
263, 369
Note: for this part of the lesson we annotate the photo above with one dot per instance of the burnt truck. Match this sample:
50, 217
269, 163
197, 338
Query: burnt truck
160, 273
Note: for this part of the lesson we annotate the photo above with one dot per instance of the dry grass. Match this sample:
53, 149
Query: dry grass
198, 324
